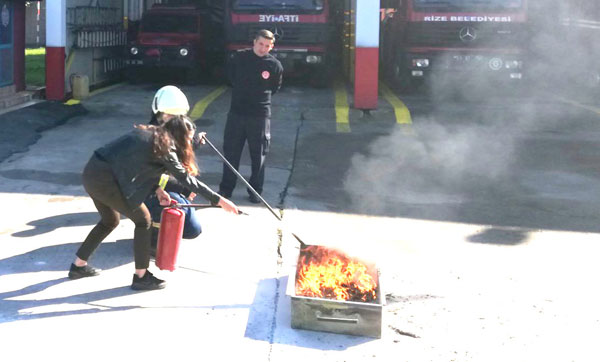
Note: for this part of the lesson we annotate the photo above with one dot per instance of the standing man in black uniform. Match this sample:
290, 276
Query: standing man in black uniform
255, 75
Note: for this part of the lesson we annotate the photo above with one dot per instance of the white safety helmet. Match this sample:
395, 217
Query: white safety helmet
171, 100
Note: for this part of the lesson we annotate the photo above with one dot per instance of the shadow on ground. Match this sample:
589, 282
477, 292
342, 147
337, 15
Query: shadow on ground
48, 224
499, 237
109, 255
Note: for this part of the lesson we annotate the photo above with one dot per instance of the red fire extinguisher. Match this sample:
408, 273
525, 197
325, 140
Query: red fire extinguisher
169, 237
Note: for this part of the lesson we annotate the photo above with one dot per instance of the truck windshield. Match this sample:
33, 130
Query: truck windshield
301, 5
167, 23
467, 5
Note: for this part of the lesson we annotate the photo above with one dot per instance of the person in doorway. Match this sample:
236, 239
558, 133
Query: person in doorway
120, 175
169, 102
255, 76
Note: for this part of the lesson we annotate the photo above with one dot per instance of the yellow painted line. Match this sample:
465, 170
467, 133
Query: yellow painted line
342, 109
400, 110
202, 104
71, 102
577, 104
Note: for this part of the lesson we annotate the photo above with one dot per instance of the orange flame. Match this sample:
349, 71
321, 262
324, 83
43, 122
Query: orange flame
327, 273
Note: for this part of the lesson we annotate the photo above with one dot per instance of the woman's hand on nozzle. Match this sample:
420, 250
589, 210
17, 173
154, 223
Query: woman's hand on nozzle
200, 138
228, 205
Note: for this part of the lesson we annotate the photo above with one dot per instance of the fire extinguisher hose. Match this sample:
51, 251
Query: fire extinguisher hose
203, 206
241, 178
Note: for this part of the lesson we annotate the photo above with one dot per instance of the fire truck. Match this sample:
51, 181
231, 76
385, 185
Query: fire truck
431, 41
304, 32
177, 36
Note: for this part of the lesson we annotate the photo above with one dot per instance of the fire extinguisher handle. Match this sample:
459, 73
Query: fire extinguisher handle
196, 206
202, 206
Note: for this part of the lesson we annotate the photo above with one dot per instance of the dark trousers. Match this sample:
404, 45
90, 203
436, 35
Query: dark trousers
101, 185
238, 130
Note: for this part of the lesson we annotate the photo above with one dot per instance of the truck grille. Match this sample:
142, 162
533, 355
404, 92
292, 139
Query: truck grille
291, 34
449, 34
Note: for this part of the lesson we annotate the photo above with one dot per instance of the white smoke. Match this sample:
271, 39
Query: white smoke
441, 163
433, 164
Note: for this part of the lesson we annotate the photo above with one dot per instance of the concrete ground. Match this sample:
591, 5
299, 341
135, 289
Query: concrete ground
482, 217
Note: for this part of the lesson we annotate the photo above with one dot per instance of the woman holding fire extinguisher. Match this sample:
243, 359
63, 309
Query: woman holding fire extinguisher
169, 101
120, 175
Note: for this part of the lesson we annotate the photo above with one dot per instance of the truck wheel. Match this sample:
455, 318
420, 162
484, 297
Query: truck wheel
400, 79
217, 73
321, 79
192, 75
134, 75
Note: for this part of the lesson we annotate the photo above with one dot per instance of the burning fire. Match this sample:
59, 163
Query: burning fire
327, 273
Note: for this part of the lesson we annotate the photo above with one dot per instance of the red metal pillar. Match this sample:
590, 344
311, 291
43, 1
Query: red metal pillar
366, 63
56, 30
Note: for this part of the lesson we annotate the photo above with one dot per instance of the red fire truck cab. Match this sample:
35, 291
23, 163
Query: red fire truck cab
456, 40
303, 31
177, 37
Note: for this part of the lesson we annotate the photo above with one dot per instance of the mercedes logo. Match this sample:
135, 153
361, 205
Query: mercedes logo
467, 34
277, 32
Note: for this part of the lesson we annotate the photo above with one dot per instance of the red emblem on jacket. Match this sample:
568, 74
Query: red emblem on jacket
266, 74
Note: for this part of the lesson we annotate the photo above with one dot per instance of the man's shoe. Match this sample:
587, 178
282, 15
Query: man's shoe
78, 272
225, 194
253, 199
147, 282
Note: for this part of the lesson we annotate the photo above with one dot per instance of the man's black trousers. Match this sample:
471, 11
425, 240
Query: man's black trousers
238, 130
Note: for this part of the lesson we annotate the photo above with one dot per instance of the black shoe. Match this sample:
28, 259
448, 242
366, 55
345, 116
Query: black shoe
225, 194
254, 199
147, 282
77, 272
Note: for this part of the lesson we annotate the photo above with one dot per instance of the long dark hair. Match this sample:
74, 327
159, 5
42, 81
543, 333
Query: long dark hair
174, 133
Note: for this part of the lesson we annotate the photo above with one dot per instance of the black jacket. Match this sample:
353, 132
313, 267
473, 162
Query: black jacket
254, 80
138, 171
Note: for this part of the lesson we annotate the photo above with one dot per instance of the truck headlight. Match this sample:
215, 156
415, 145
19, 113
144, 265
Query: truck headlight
313, 59
513, 64
183, 52
134, 51
420, 63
